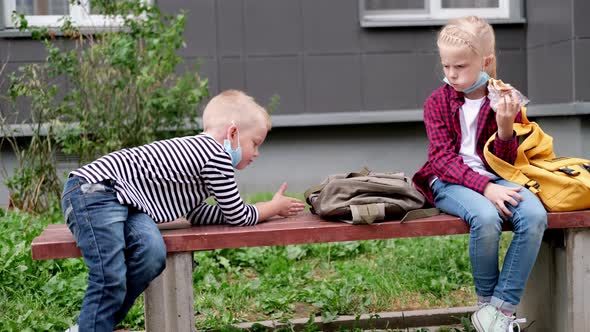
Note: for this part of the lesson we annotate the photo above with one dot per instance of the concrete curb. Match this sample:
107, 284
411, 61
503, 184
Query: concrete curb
383, 320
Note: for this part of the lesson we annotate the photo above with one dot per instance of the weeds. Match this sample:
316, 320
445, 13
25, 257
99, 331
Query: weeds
248, 284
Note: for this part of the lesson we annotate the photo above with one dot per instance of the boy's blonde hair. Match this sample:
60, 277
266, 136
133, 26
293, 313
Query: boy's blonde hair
234, 106
474, 33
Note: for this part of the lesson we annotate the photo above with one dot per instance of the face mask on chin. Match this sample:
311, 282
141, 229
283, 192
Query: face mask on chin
236, 155
481, 81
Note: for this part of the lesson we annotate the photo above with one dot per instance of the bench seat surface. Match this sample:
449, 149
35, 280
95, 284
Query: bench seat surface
56, 241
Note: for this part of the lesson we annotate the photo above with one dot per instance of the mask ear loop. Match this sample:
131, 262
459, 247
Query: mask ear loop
439, 69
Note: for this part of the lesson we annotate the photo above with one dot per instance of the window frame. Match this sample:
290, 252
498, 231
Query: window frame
78, 14
509, 11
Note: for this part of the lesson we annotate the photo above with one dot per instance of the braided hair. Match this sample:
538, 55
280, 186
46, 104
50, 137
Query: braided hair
474, 33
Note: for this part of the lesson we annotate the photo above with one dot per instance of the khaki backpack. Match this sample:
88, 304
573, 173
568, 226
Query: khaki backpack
562, 184
365, 197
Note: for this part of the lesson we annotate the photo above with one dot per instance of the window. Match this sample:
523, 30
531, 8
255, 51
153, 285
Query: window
50, 12
374, 13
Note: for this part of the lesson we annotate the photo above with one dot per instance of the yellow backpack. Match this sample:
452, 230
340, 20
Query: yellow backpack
562, 184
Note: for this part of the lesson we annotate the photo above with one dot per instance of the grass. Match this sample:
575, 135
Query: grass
250, 284
332, 279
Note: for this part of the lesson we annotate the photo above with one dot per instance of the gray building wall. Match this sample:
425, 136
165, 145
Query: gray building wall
352, 96
558, 63
558, 48
318, 59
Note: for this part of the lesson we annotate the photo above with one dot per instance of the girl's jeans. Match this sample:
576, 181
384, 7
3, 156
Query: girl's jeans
503, 289
122, 248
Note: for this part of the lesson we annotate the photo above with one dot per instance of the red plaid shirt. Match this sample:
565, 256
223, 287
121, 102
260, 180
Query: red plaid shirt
441, 117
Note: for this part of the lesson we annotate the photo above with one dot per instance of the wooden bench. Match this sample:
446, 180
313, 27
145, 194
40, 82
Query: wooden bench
557, 297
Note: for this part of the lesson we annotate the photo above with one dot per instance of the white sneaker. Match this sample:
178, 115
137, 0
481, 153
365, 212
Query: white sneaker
72, 329
489, 319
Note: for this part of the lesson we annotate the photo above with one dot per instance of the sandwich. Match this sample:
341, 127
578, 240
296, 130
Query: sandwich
499, 86
497, 90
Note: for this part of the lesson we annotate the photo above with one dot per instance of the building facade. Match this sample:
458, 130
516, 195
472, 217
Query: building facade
351, 92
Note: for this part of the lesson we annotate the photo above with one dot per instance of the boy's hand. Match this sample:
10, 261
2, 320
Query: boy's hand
279, 205
287, 206
499, 195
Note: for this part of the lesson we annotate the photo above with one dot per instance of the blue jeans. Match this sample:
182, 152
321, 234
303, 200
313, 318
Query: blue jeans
122, 248
502, 289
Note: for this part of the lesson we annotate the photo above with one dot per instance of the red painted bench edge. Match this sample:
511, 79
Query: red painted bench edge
57, 242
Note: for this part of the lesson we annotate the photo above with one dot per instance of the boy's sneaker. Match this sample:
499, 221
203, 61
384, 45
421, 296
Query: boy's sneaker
489, 319
73, 329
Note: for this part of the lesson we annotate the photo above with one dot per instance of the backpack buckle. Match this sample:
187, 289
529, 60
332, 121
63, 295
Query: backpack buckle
569, 171
533, 186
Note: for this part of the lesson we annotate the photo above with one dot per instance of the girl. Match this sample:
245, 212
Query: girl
457, 180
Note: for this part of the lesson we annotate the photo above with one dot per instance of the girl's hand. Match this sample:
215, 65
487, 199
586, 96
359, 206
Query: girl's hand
505, 114
499, 195
287, 206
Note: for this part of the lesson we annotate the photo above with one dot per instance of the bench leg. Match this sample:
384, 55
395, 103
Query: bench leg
168, 300
557, 295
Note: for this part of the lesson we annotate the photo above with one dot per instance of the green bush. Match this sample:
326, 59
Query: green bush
100, 92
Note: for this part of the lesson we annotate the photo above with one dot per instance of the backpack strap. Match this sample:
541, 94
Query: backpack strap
420, 213
536, 145
367, 213
362, 172
524, 119
508, 171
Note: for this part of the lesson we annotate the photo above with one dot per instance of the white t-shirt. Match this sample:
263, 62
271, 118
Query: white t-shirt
468, 117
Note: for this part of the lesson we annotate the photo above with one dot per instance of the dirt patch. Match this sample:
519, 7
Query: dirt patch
302, 309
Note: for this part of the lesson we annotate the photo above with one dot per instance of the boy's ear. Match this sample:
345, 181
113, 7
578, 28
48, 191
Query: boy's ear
232, 131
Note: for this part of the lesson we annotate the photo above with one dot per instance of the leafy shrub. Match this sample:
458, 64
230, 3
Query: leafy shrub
100, 92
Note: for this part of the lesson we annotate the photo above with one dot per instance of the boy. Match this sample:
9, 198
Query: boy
112, 205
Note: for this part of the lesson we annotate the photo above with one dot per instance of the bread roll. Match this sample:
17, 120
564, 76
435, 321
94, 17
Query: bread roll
500, 86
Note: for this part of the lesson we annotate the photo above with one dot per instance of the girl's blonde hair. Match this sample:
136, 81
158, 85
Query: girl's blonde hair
474, 33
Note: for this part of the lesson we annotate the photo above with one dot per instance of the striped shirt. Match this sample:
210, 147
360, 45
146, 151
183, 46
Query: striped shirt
171, 178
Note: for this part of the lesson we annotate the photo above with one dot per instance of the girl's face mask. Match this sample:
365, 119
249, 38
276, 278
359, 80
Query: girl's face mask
461, 68
481, 81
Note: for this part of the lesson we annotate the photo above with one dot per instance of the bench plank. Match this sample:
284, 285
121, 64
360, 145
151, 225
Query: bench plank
56, 241
169, 297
